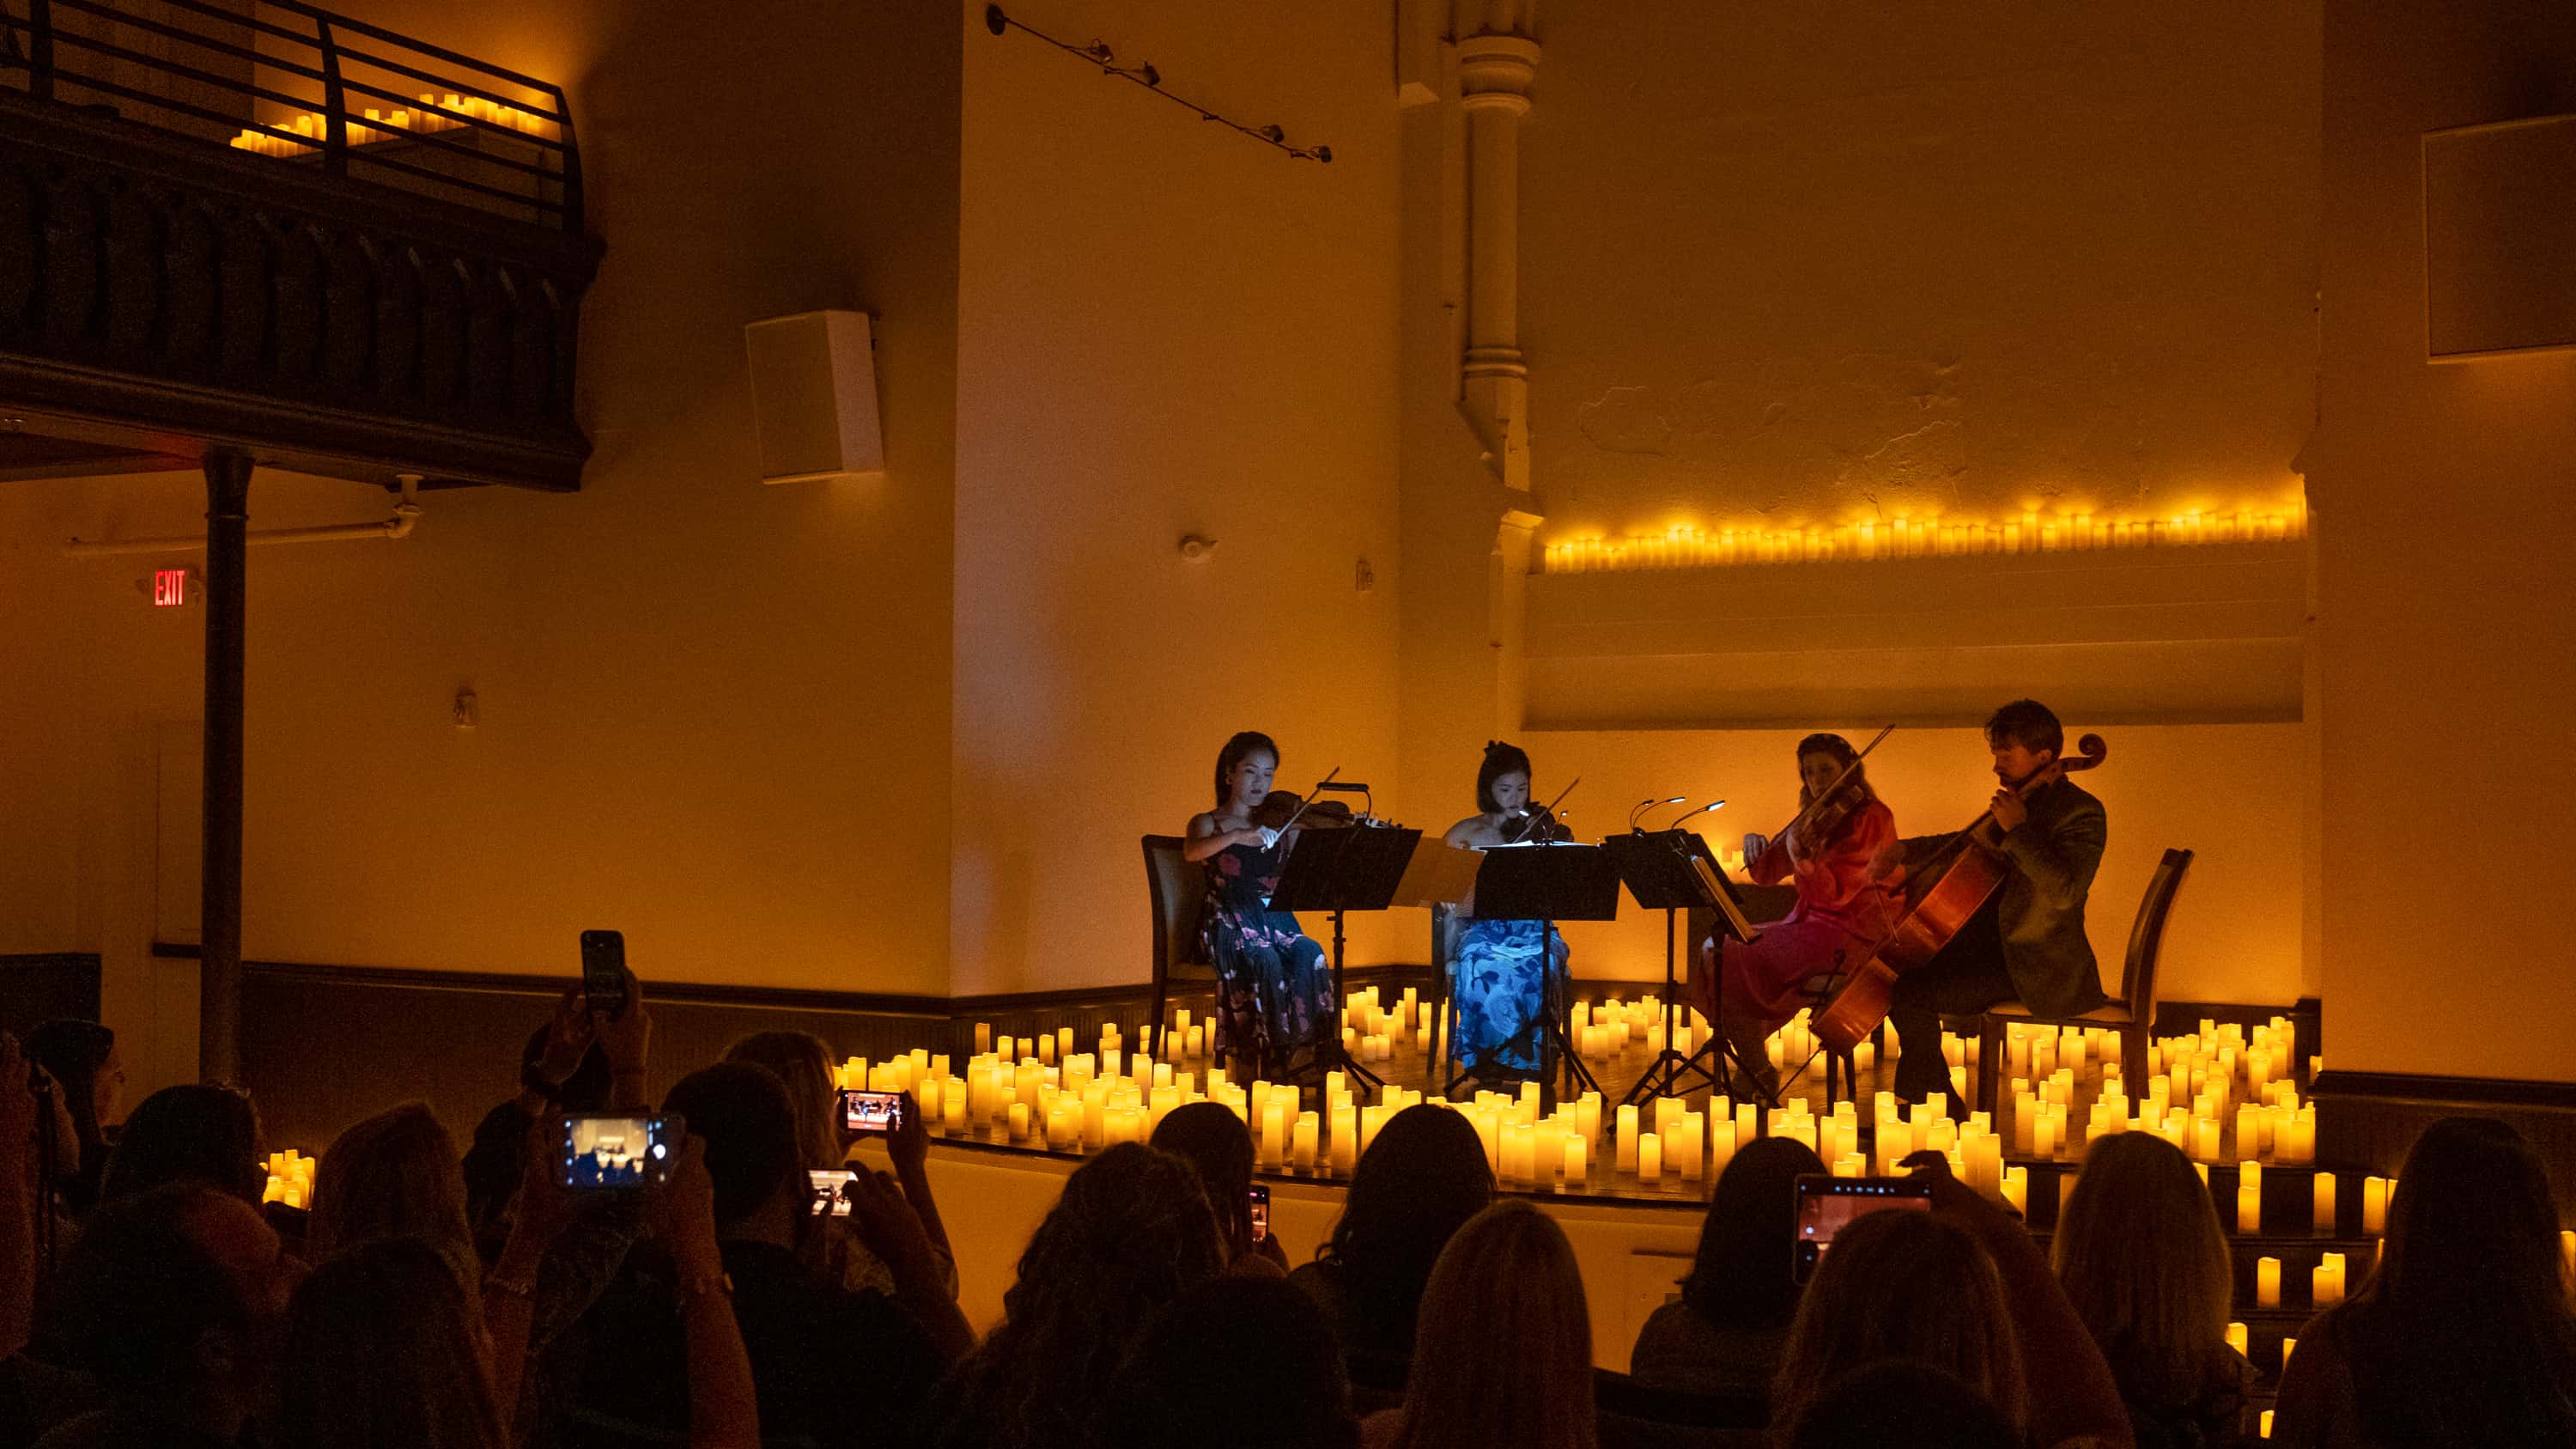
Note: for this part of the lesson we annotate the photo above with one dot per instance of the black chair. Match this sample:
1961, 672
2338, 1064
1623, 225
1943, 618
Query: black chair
2133, 1015
1177, 889
1635, 1416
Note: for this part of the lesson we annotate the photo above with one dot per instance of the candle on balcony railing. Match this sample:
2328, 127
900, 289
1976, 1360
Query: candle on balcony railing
2325, 1202
2374, 1205
2267, 1282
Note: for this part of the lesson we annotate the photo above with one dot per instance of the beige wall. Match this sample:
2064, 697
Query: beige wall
2444, 551
1803, 265
1164, 328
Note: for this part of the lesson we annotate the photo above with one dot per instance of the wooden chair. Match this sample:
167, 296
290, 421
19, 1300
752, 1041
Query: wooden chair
1178, 890
2133, 1015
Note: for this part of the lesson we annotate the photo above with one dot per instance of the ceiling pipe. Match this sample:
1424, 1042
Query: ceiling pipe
406, 514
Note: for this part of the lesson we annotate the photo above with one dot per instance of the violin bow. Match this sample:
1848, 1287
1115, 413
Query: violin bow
1828, 792
1548, 809
1309, 802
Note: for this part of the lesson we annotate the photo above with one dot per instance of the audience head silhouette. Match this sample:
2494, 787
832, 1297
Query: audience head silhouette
81, 1057
1252, 1355
1904, 1285
1130, 1233
2140, 1253
1902, 1401
743, 1115
1503, 1357
1216, 1142
802, 1062
1422, 1178
1741, 1275
194, 1133
394, 1175
383, 1351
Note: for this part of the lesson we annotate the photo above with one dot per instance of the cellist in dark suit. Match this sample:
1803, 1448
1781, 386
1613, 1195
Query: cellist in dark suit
2028, 940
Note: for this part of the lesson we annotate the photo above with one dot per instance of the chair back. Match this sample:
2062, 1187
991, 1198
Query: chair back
2138, 973
1178, 890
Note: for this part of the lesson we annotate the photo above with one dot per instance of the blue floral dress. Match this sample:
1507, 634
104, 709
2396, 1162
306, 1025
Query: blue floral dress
1504, 971
1274, 992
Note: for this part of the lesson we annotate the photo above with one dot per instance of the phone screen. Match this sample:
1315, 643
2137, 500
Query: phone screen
1260, 1212
828, 1201
1826, 1205
606, 1153
871, 1111
603, 971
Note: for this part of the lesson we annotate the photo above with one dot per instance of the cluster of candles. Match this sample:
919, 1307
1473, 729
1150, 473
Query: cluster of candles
1682, 547
436, 113
1371, 1032
290, 1179
2325, 1281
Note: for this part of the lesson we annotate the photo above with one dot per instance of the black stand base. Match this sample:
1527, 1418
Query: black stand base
1670, 1073
1330, 1055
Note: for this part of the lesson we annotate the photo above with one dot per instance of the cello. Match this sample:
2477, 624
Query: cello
1969, 869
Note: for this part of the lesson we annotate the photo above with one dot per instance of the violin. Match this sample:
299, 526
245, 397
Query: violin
1538, 824
1954, 884
1822, 816
1282, 808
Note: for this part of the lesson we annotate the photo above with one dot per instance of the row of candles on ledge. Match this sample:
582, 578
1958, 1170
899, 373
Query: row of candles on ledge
1682, 548
436, 113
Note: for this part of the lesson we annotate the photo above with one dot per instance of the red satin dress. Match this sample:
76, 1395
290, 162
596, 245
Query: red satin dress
1841, 917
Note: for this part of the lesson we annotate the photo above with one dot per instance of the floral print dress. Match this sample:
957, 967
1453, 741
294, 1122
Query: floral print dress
1274, 992
1504, 971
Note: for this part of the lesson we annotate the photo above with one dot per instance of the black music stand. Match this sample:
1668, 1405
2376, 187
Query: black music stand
1548, 884
1357, 869
1674, 871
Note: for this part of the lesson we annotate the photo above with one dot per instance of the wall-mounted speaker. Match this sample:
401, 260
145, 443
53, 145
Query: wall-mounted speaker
2500, 238
814, 397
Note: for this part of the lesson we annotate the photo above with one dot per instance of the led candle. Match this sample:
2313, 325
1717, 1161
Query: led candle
2236, 1337
952, 1110
2374, 1205
1019, 1121
1721, 1144
2325, 1202
2567, 1251
1346, 1135
2287, 1344
2249, 1209
1694, 1141
2321, 1286
1626, 1161
1587, 1116
2267, 1282
1302, 1150
2043, 1134
2017, 1189
1578, 1159
1650, 1159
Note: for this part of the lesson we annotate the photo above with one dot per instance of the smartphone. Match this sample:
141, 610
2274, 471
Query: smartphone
604, 1152
603, 972
872, 1111
828, 1201
1826, 1205
1260, 1212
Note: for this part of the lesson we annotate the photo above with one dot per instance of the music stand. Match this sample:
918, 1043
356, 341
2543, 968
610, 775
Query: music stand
1674, 871
1357, 869
1548, 884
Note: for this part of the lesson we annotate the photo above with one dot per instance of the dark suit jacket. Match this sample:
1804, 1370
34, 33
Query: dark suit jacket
2040, 907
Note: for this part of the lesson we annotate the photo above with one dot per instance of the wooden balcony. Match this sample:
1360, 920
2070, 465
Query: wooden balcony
210, 240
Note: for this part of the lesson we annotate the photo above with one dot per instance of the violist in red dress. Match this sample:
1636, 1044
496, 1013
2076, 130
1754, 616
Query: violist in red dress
1842, 915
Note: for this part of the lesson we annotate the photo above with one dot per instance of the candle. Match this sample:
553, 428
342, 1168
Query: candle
2331, 1267
1274, 1132
1302, 1151
2236, 1337
1578, 1159
1650, 1159
2374, 1205
2567, 1251
1346, 1131
2287, 1343
2325, 1202
1019, 1121
1694, 1141
1626, 1161
2267, 1282
2017, 1189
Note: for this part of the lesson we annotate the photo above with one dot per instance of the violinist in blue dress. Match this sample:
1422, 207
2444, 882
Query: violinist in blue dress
1503, 969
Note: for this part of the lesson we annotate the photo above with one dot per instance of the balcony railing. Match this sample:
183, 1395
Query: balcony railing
306, 87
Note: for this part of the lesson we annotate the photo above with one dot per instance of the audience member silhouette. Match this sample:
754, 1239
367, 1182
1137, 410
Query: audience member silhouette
172, 1298
830, 1366
201, 1133
1422, 1178
87, 1069
382, 1352
2463, 1336
1503, 1357
1904, 1402
1216, 1142
394, 1175
1244, 1361
1723, 1338
2142, 1256
1130, 1233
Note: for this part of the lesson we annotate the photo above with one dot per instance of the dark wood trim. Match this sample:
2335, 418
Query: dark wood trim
787, 998
2429, 1091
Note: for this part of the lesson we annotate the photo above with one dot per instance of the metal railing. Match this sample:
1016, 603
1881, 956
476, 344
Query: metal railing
294, 83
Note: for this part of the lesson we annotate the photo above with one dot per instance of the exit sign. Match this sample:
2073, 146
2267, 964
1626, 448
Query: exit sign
170, 589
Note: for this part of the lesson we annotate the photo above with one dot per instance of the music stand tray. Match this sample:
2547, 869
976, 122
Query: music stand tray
1548, 884
1339, 870
1674, 871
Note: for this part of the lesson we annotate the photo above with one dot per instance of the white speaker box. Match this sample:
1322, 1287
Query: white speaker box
814, 397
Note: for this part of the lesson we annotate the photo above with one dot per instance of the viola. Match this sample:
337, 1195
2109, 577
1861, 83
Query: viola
1941, 897
1535, 825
